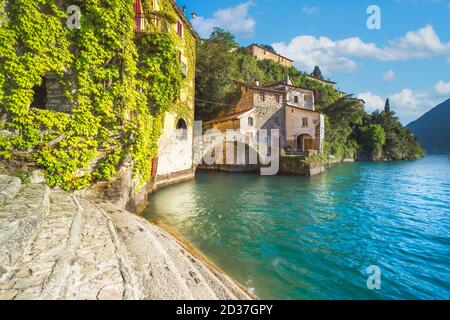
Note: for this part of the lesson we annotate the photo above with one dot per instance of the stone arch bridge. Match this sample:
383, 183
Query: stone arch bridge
232, 151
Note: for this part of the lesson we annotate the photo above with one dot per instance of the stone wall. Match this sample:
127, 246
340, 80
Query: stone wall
122, 190
230, 168
268, 110
293, 165
170, 179
174, 151
56, 99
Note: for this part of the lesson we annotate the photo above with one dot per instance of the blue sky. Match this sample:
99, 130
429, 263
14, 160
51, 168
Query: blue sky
407, 60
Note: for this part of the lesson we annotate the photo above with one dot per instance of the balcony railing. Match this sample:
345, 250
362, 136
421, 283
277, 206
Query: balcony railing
145, 22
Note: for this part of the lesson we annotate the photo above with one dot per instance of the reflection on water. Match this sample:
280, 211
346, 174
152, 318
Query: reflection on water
307, 238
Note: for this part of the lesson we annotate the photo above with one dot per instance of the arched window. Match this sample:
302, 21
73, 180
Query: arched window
250, 121
181, 129
296, 99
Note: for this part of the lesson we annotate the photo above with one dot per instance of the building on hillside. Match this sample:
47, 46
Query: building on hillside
282, 106
350, 96
175, 155
261, 53
322, 81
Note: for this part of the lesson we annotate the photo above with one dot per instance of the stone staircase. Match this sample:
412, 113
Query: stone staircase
55, 245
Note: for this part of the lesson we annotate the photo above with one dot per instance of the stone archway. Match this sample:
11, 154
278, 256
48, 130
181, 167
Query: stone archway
207, 144
181, 129
304, 143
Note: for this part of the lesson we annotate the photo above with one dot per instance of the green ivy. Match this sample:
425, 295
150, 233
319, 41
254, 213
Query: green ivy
120, 86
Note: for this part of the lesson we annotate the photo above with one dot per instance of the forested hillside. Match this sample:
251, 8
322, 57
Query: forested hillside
350, 131
433, 129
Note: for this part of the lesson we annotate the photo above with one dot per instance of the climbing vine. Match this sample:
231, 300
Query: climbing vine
119, 85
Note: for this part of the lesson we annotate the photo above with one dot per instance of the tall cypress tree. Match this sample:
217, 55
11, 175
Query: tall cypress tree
387, 106
317, 73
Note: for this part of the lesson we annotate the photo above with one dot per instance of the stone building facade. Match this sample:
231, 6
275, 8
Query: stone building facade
175, 146
261, 53
175, 156
282, 106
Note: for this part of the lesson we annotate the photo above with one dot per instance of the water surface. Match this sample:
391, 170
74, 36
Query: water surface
313, 238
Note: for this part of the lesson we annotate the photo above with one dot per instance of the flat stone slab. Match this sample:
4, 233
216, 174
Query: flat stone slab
9, 187
57, 245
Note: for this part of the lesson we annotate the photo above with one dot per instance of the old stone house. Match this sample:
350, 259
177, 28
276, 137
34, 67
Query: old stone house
261, 53
282, 106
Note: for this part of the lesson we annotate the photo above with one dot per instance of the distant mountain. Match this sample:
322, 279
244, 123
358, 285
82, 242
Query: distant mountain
433, 129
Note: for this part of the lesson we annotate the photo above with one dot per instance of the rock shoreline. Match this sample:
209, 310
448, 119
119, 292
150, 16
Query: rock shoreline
55, 245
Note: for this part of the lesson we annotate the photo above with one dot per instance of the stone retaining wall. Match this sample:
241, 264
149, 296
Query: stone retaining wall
294, 165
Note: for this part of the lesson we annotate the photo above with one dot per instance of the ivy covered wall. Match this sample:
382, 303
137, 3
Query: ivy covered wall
121, 84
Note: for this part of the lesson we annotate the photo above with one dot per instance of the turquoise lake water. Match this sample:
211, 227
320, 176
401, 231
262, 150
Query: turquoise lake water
313, 238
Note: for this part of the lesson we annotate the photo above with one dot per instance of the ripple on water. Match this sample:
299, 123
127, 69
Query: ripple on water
313, 238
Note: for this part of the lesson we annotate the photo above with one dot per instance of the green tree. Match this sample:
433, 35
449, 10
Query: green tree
224, 37
249, 69
317, 73
371, 139
344, 116
216, 70
387, 106
400, 142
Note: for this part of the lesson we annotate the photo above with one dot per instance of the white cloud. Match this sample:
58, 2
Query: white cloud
389, 75
336, 55
309, 51
373, 102
407, 103
448, 60
234, 19
310, 10
442, 88
410, 105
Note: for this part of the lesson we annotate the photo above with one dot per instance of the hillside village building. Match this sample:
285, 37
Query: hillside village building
175, 155
261, 53
322, 81
282, 106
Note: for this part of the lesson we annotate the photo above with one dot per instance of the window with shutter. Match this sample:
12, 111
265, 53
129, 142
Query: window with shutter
180, 28
139, 16
305, 122
276, 120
